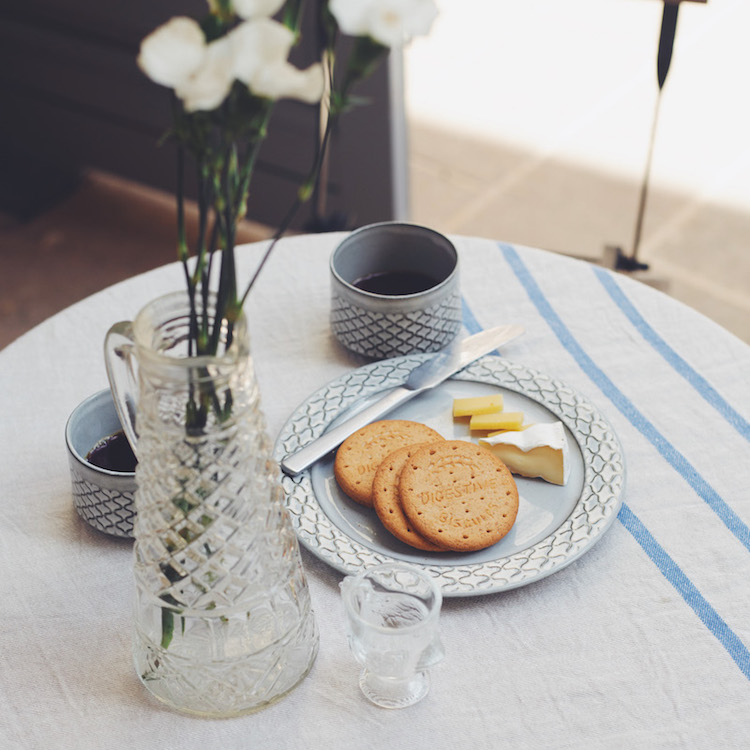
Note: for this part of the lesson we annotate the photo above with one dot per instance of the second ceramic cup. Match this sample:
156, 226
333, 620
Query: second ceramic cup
395, 291
103, 493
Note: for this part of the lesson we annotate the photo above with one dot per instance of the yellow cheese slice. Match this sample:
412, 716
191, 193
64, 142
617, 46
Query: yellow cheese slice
504, 420
466, 407
541, 450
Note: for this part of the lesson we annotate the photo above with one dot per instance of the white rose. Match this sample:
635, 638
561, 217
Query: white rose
256, 8
208, 86
173, 52
390, 22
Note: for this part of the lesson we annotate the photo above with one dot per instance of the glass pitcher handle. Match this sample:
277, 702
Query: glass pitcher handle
119, 348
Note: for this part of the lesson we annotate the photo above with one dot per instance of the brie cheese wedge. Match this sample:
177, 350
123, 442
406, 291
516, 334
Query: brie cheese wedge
540, 450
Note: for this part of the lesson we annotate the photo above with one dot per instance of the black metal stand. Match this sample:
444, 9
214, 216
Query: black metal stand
616, 256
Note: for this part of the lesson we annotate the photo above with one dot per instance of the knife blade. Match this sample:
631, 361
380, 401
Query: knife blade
422, 378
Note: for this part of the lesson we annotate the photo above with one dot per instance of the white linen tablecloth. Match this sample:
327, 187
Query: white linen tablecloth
642, 642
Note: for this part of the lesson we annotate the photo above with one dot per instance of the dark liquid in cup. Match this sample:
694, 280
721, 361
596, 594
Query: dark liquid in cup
395, 282
113, 453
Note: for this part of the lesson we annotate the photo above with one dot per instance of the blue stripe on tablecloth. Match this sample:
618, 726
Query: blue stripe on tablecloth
675, 459
656, 553
704, 388
672, 572
471, 324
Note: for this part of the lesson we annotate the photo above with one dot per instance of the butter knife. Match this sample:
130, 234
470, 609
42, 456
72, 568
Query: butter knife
430, 373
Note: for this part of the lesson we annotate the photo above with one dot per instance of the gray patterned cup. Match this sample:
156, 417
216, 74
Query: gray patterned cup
394, 290
102, 497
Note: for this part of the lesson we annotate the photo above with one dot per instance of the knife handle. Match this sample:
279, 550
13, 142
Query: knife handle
330, 440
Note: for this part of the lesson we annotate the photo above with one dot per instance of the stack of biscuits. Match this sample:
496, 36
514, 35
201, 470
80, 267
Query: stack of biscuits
433, 494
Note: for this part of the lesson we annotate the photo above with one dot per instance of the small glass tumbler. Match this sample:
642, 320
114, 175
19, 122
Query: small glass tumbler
392, 626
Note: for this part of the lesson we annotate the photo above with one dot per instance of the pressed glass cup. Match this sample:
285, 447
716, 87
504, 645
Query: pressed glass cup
392, 615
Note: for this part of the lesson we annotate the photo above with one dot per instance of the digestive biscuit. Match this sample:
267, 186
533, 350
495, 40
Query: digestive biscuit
387, 503
360, 455
458, 495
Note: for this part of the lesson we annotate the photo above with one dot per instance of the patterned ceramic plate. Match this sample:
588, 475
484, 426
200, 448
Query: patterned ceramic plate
555, 525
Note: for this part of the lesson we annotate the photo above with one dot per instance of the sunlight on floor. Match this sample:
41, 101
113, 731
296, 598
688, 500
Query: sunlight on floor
530, 122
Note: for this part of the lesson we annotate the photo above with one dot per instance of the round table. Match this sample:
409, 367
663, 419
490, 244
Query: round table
642, 642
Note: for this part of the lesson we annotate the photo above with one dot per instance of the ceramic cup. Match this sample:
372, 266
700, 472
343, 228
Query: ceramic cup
394, 290
103, 498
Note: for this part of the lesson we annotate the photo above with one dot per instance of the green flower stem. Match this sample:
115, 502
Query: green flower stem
249, 166
362, 63
292, 15
204, 203
167, 627
303, 195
